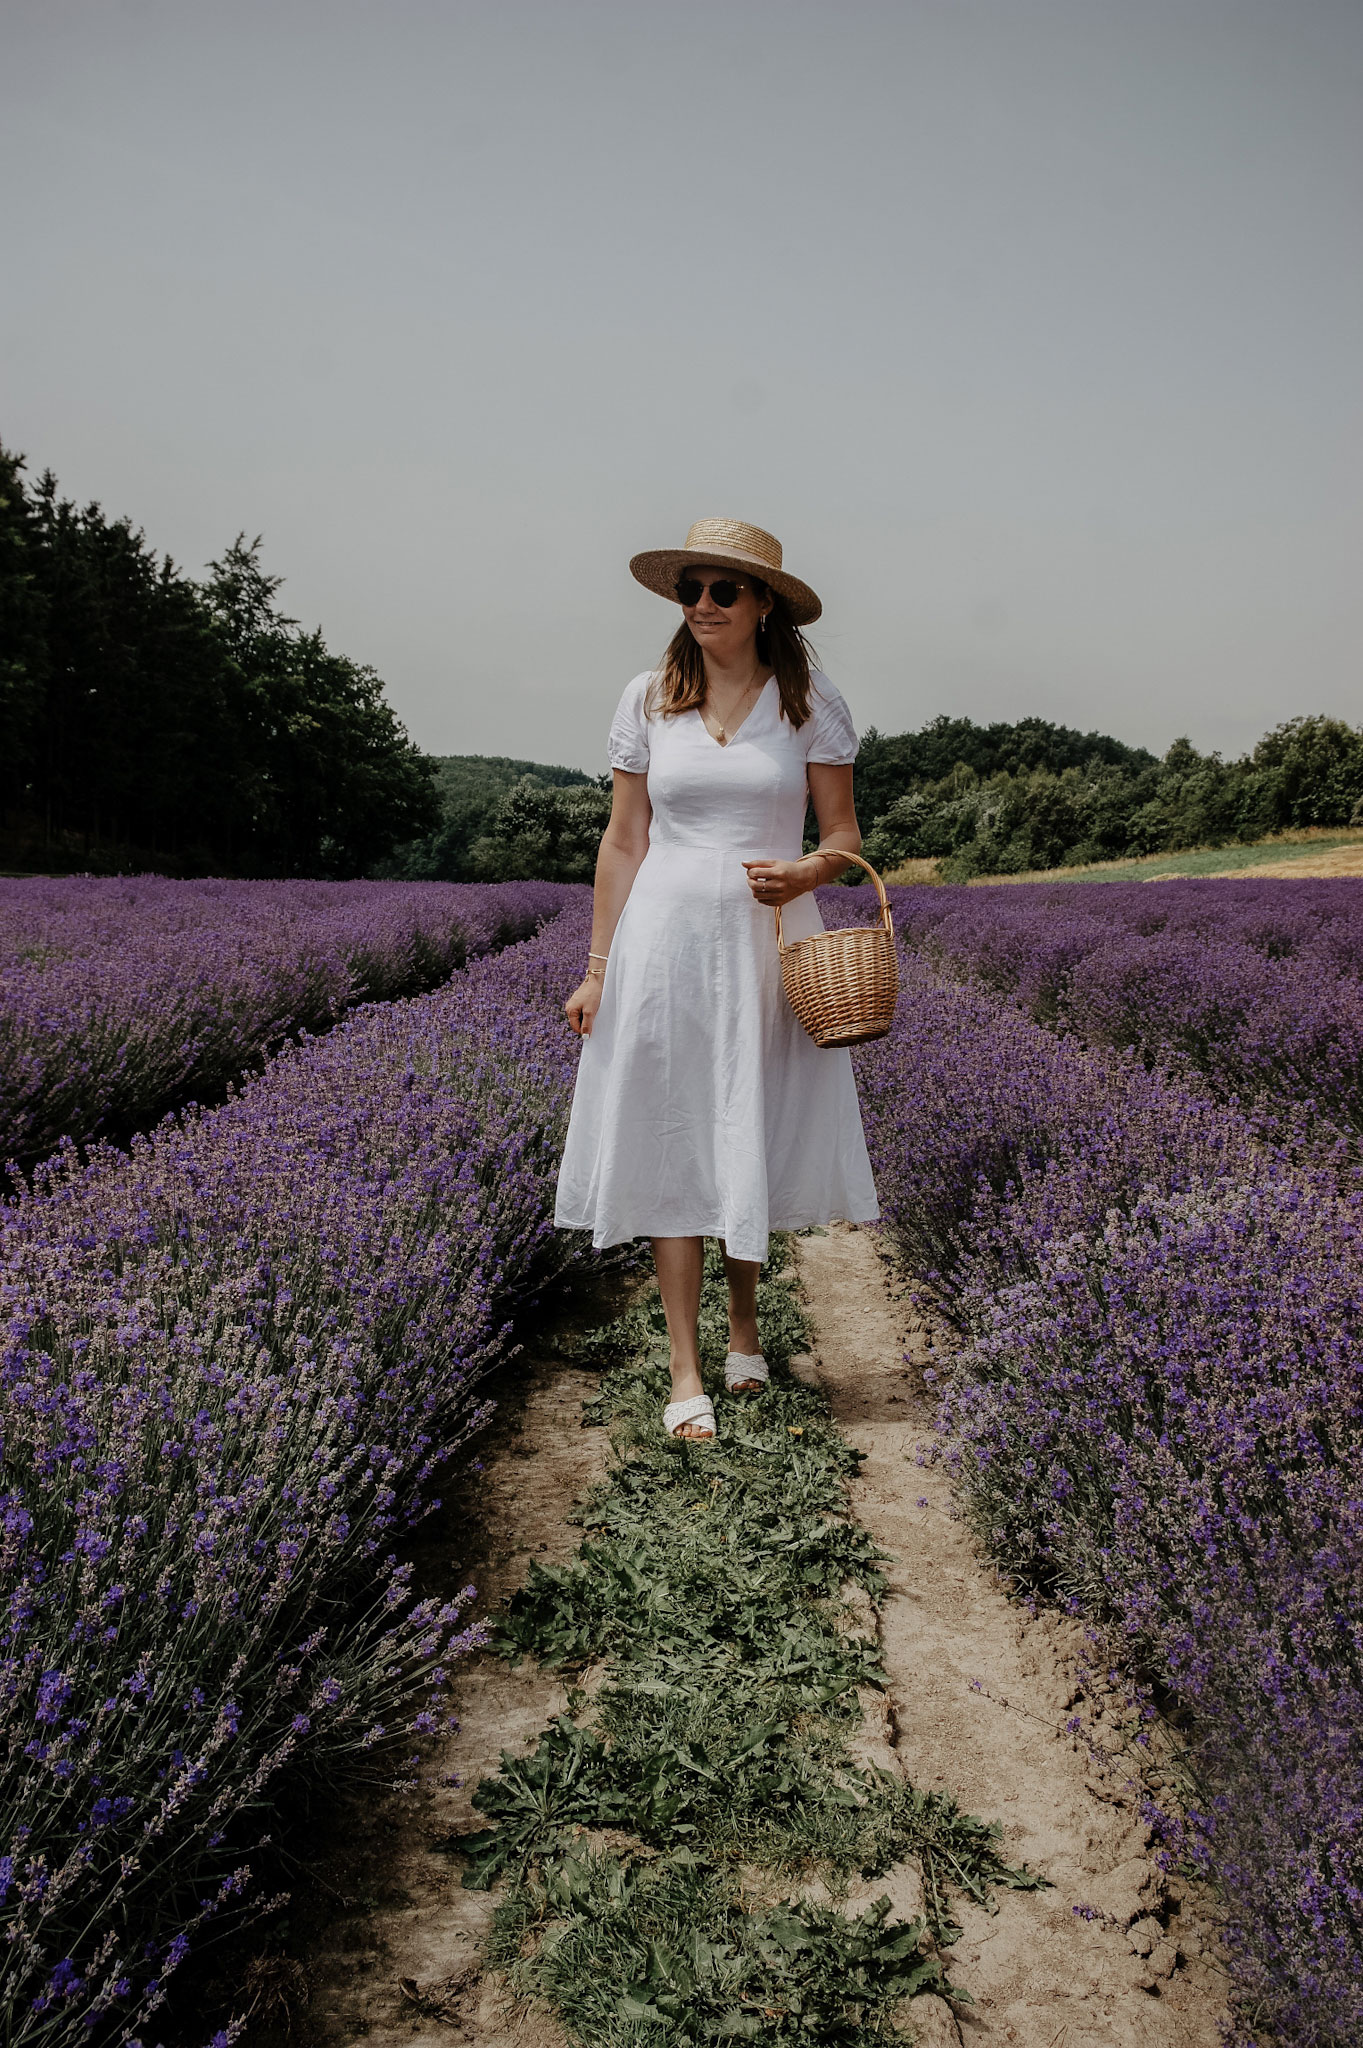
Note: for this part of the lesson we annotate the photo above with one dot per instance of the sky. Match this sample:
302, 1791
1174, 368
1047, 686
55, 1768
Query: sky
1032, 328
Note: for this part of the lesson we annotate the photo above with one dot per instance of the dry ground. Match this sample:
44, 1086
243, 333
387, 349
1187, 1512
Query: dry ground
1337, 860
392, 1937
1286, 857
1042, 1975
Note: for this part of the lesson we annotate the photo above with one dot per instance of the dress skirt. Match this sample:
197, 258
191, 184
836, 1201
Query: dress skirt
702, 1107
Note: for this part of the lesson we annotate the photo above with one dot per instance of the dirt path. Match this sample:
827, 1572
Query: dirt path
1042, 1975
393, 1937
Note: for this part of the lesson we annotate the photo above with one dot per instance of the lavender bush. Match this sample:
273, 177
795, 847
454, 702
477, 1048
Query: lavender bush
121, 1000
1165, 1426
233, 1361
1254, 985
967, 1093
1155, 1415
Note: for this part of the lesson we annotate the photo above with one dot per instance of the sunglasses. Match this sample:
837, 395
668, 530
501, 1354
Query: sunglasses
723, 591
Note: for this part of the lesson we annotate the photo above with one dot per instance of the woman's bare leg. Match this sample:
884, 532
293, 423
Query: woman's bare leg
679, 1262
743, 1311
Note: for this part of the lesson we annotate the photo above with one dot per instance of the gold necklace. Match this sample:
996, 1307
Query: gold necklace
722, 735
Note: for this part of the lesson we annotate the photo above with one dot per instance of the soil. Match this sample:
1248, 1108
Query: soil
1295, 860
384, 1939
979, 1697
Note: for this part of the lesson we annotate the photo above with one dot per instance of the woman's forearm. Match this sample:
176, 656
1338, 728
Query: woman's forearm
616, 867
826, 865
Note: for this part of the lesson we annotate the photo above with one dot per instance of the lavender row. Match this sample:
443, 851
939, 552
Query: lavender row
1256, 986
234, 1361
122, 1000
1155, 1414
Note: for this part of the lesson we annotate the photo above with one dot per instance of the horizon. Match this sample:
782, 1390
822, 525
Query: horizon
1093, 732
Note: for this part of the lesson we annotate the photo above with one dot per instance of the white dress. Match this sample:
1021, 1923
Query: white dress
702, 1108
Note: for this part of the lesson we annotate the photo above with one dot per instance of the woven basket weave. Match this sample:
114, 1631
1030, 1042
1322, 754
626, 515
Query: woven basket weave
843, 985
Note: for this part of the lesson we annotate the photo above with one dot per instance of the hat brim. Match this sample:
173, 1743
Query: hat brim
658, 569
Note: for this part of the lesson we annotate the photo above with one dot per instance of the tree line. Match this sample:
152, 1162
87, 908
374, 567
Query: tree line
1008, 799
148, 719
507, 821
980, 799
151, 720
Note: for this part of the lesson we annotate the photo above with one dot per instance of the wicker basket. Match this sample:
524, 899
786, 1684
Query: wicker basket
843, 985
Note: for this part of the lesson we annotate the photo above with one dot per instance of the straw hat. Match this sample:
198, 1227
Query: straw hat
730, 544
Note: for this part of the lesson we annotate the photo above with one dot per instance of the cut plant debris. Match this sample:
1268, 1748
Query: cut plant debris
676, 1854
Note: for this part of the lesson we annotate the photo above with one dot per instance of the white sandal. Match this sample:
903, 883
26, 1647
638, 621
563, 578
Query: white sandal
696, 1408
739, 1366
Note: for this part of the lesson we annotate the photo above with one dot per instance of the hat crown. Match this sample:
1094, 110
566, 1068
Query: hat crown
734, 536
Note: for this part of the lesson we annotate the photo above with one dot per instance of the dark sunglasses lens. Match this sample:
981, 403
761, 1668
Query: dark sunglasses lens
723, 592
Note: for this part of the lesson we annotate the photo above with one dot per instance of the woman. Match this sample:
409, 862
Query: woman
701, 1108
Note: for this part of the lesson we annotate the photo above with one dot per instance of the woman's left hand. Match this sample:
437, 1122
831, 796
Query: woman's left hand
775, 882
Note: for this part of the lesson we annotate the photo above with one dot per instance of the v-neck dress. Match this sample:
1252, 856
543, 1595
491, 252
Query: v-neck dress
702, 1108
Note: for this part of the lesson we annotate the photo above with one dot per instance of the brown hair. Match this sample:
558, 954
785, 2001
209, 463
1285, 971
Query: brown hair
679, 682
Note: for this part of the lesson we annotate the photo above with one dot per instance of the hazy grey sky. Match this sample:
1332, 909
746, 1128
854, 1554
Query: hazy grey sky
1034, 328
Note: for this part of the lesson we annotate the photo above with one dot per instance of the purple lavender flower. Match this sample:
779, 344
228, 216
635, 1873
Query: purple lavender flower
1154, 1407
232, 1363
123, 999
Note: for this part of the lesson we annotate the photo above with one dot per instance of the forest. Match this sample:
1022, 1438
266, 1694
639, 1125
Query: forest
1011, 799
149, 720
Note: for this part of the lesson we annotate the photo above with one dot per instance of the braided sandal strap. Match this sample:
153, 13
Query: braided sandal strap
696, 1408
739, 1366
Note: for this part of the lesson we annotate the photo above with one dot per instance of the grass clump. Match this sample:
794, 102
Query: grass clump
730, 1598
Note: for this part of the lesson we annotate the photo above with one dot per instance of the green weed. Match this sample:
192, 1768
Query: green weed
671, 1950
729, 1594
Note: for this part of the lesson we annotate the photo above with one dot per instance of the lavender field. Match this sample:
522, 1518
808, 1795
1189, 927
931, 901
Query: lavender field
1116, 1141
1142, 1218
235, 1358
1253, 985
121, 1000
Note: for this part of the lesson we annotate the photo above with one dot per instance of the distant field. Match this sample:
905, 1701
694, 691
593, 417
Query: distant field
1289, 855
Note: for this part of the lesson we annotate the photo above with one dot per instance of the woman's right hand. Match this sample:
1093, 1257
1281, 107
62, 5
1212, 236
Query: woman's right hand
583, 1004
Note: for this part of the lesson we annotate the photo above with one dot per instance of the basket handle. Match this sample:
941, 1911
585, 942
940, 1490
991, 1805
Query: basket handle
886, 914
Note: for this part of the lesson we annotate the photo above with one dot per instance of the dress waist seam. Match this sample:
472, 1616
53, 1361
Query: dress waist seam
741, 848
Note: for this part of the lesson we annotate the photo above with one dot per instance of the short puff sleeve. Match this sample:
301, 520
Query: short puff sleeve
833, 737
627, 746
